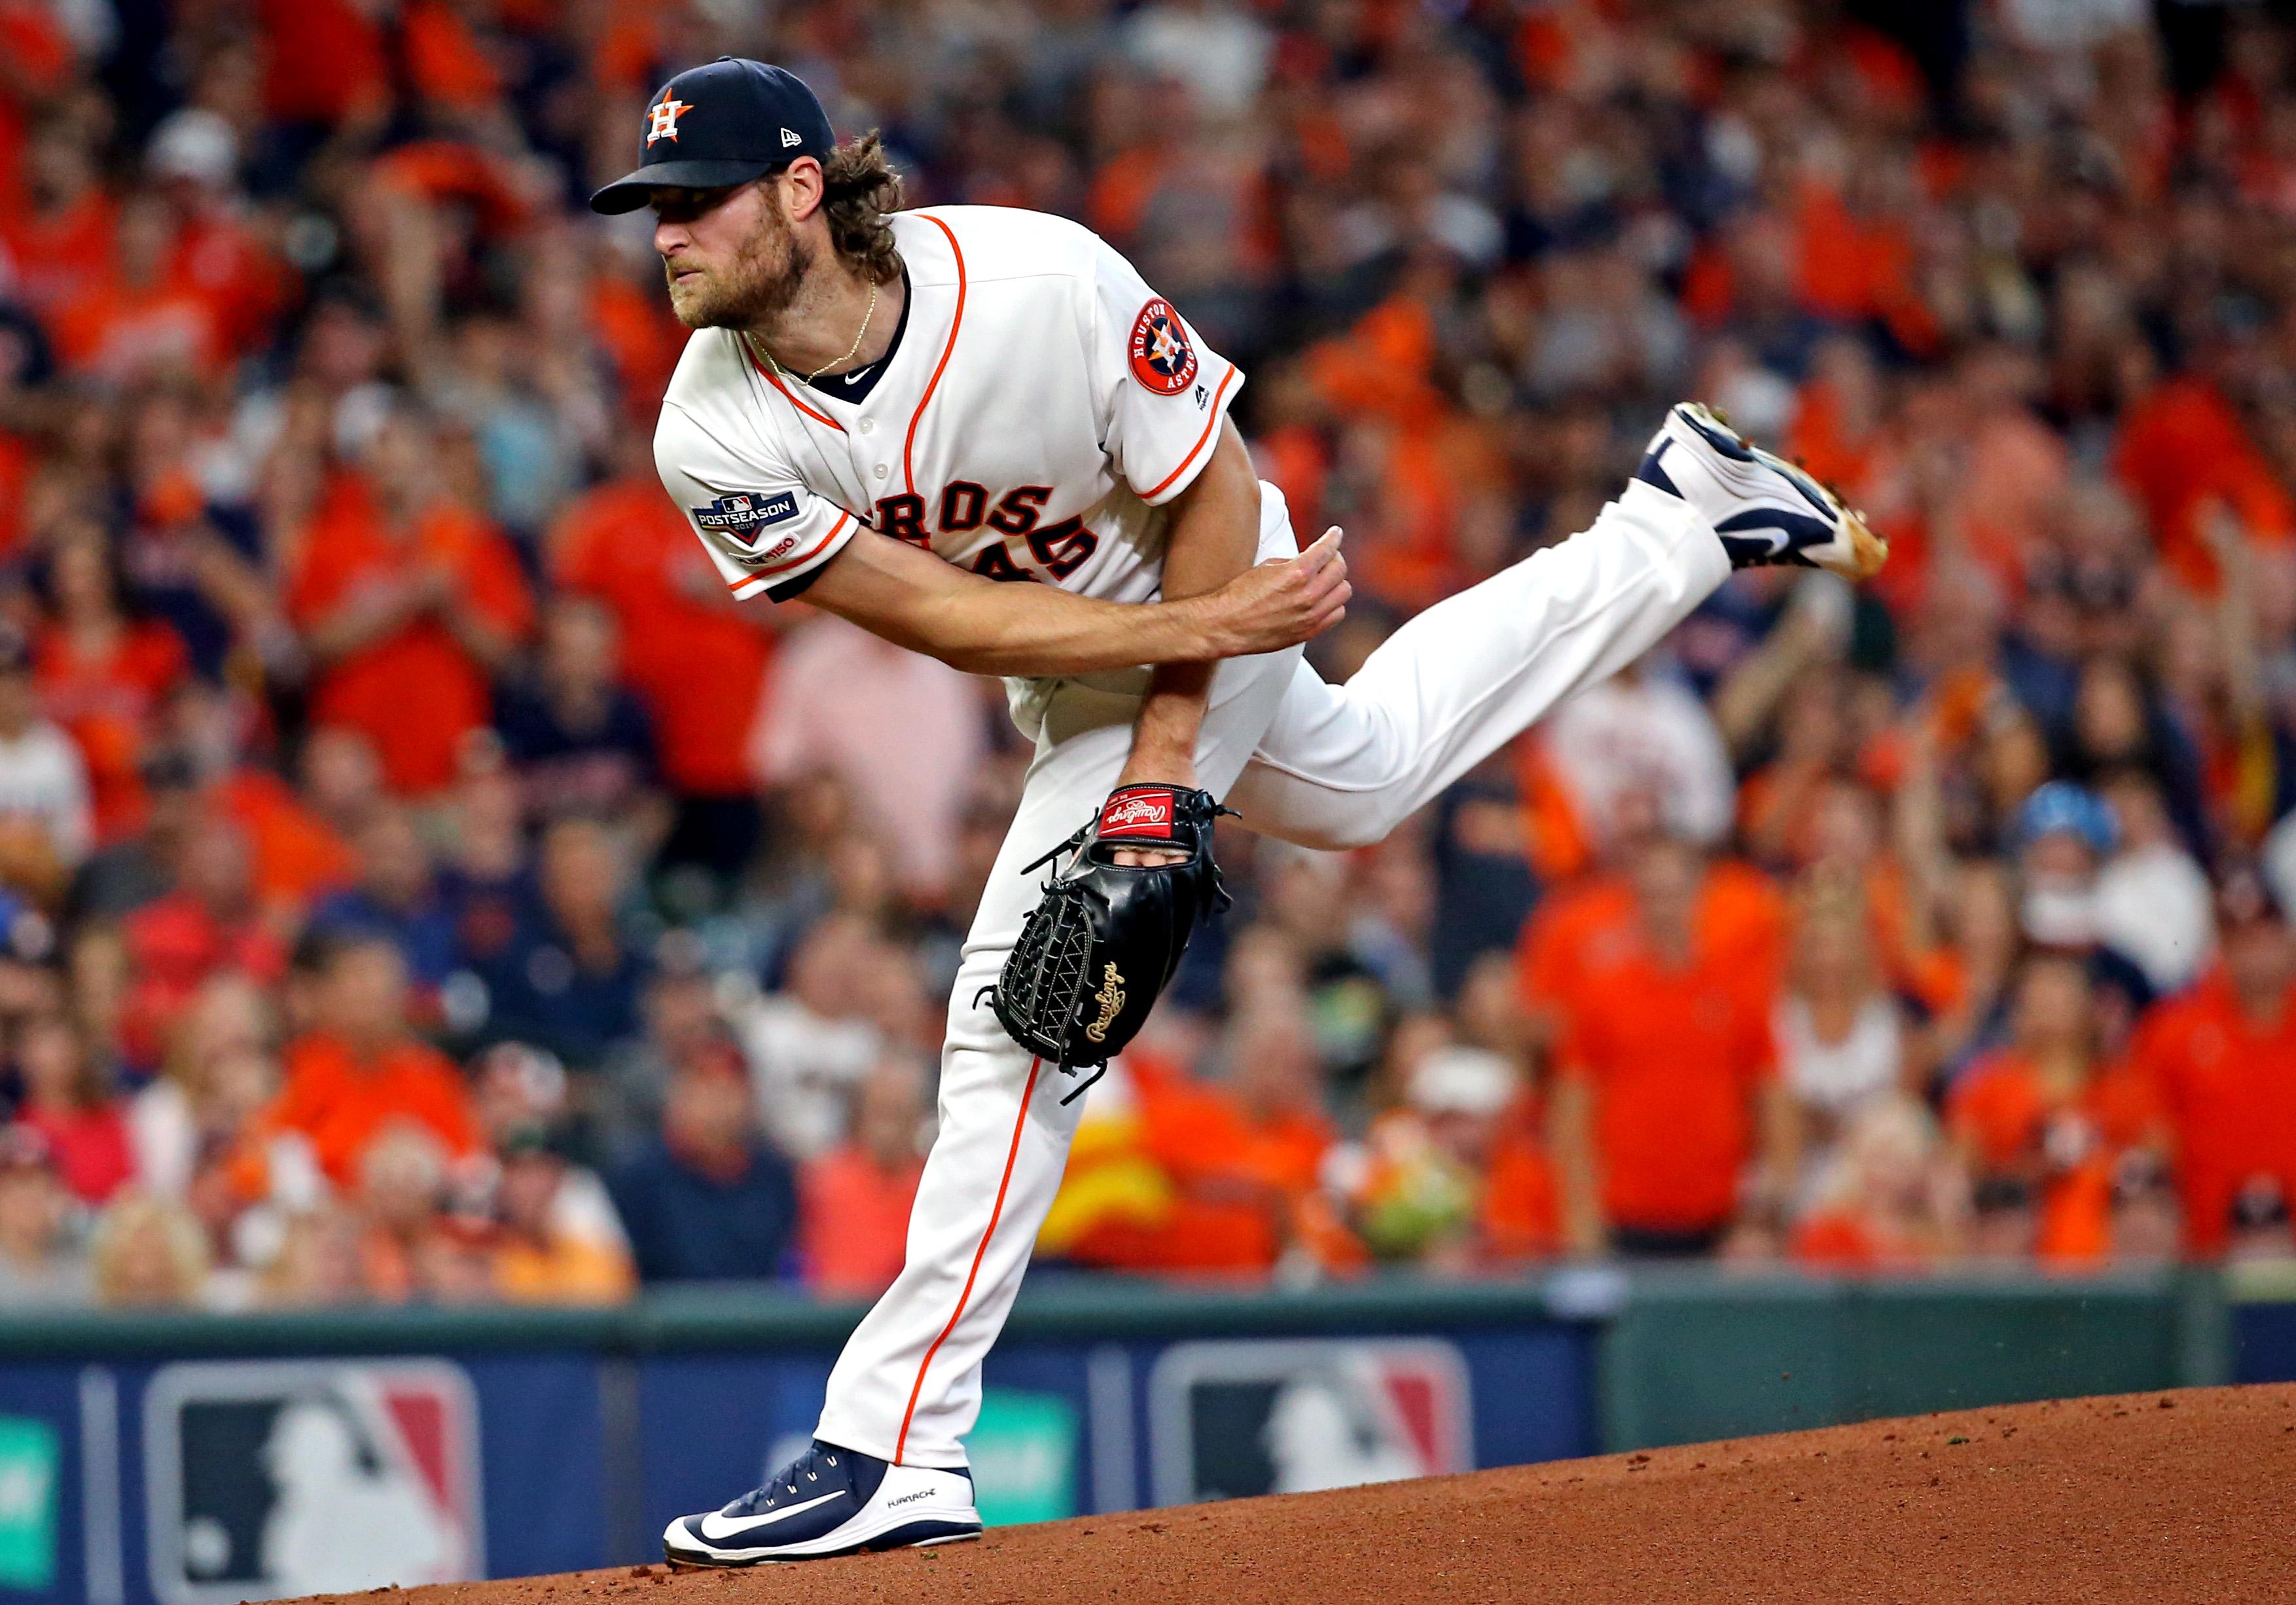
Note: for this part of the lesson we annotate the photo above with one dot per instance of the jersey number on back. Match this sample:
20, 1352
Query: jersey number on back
1061, 547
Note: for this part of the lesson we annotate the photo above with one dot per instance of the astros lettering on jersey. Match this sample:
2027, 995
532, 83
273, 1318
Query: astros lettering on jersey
1042, 404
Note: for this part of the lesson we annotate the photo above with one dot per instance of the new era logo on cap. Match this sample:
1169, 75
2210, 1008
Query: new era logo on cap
790, 138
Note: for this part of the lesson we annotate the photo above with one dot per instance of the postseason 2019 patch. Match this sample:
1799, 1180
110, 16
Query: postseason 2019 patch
745, 513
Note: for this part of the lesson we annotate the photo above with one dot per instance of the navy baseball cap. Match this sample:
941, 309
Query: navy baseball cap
721, 124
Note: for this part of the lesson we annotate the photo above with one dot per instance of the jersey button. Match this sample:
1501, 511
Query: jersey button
868, 426
879, 470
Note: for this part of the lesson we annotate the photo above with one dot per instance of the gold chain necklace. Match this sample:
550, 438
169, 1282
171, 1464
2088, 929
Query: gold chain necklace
859, 335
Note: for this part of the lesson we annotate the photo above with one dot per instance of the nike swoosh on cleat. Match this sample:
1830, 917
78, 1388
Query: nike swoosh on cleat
741, 1527
1784, 531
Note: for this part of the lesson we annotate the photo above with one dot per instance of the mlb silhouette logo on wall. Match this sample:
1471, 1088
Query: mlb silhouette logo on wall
1230, 1418
269, 1479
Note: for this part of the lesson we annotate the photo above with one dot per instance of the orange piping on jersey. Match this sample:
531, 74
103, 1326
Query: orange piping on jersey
1020, 1124
909, 447
1210, 425
790, 563
768, 374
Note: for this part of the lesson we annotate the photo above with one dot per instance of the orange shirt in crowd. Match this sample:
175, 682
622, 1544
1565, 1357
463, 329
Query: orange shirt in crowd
226, 263
1186, 1179
568, 1269
1520, 1212
2183, 449
1239, 1176
2227, 1087
626, 545
106, 704
1672, 1086
115, 331
323, 60
341, 1103
853, 1230
2001, 1111
1741, 920
53, 252
296, 853
416, 693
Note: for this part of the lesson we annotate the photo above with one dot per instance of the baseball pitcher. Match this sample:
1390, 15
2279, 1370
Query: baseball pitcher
978, 433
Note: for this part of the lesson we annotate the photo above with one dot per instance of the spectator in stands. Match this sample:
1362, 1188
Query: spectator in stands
488, 878
1889, 1199
220, 1074
359, 1069
571, 978
39, 1263
579, 739
316, 1263
409, 603
1840, 1034
707, 1199
147, 1253
565, 1226
2153, 898
854, 1199
401, 1193
808, 1046
2043, 1113
102, 673
626, 545
545, 1254
210, 922
46, 825
902, 729
69, 1099
2221, 1061
1659, 1110
397, 897
1455, 1178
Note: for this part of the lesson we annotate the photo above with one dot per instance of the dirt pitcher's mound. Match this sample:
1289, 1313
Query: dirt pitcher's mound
2155, 1498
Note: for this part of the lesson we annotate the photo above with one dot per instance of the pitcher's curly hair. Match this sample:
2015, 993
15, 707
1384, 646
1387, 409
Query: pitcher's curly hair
860, 189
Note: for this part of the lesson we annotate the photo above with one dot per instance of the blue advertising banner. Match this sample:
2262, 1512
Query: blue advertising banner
1071, 1428
210, 1481
2264, 1342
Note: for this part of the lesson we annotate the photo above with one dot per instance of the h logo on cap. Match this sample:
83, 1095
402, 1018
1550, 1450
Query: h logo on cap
662, 118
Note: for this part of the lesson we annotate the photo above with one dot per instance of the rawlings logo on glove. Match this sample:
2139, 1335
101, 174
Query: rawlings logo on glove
1138, 811
1100, 948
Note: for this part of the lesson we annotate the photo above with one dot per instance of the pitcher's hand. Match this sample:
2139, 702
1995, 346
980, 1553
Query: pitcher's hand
1272, 606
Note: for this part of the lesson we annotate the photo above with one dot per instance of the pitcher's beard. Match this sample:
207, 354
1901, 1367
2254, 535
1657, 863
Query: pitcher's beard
759, 284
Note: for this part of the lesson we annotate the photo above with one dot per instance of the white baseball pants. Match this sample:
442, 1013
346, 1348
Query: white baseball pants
1322, 765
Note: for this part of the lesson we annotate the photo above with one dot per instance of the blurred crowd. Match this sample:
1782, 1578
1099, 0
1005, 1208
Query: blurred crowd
419, 881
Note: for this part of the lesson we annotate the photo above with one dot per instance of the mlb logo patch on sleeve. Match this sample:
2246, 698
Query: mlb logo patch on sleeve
743, 515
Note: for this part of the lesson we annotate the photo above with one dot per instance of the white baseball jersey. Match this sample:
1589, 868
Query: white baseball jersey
1042, 404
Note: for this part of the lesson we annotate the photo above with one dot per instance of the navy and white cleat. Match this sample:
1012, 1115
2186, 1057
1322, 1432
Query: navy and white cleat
829, 1502
1766, 510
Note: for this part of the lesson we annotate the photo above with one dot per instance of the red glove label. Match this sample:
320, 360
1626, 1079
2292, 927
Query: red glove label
1137, 812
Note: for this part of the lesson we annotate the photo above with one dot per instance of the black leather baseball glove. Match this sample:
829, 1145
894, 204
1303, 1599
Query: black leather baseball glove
1101, 945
